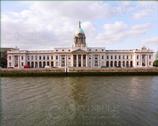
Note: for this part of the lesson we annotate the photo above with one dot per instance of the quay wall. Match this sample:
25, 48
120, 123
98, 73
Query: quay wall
78, 72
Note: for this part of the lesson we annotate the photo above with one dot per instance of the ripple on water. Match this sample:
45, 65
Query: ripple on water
80, 101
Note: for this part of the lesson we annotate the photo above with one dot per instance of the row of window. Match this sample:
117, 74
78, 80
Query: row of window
116, 64
41, 57
62, 50
113, 57
96, 57
143, 56
97, 50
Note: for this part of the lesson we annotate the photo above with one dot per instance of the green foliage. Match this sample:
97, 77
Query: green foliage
157, 55
155, 63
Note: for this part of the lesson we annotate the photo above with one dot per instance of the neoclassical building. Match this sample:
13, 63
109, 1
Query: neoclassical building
79, 55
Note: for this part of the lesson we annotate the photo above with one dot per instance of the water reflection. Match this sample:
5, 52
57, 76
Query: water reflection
80, 101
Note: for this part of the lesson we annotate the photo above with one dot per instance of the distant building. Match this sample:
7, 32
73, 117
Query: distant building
79, 55
3, 56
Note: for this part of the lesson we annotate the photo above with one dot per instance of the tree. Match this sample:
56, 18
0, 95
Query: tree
3, 58
155, 63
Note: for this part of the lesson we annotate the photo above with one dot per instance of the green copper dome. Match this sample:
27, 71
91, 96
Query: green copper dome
79, 30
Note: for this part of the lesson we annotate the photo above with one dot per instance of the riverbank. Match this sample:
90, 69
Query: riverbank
78, 72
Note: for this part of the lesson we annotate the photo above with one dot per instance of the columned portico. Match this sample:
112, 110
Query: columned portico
79, 60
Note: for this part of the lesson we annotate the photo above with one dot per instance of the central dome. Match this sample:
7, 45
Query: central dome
79, 30
80, 38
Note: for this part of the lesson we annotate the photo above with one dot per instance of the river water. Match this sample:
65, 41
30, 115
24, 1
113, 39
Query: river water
79, 101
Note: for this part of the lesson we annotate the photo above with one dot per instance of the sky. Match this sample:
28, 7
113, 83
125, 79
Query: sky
50, 24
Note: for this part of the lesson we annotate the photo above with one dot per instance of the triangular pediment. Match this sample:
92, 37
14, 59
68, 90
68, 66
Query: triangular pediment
79, 51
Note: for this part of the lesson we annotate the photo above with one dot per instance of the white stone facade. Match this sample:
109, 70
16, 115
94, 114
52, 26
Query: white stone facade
80, 56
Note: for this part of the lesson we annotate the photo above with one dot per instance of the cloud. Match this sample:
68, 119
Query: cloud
120, 31
146, 9
143, 13
50, 22
138, 29
153, 41
115, 28
44, 25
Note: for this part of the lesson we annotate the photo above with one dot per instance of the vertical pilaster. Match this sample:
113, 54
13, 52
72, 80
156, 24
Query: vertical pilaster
81, 60
76, 60
86, 61
72, 60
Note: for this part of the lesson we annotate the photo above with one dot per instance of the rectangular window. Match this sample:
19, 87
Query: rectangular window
47, 63
32, 57
10, 64
28, 57
56, 57
35, 57
102, 57
111, 57
43, 57
9, 57
115, 57
47, 57
149, 56
22, 57
51, 57
22, 64
39, 57
119, 57
107, 57
137, 63
137, 56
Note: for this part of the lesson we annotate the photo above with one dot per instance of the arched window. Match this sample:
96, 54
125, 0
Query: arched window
52, 64
119, 63
44, 64
32, 64
111, 64
115, 63
123, 63
127, 64
107, 63
131, 64
48, 63
40, 64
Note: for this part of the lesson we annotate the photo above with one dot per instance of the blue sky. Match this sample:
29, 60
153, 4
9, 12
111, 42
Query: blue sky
49, 24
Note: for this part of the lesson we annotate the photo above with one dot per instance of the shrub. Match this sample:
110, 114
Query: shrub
155, 63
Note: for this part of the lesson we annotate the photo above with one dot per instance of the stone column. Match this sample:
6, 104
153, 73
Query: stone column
146, 60
41, 63
37, 64
34, 64
76, 60
72, 60
86, 61
91, 60
18, 61
81, 60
